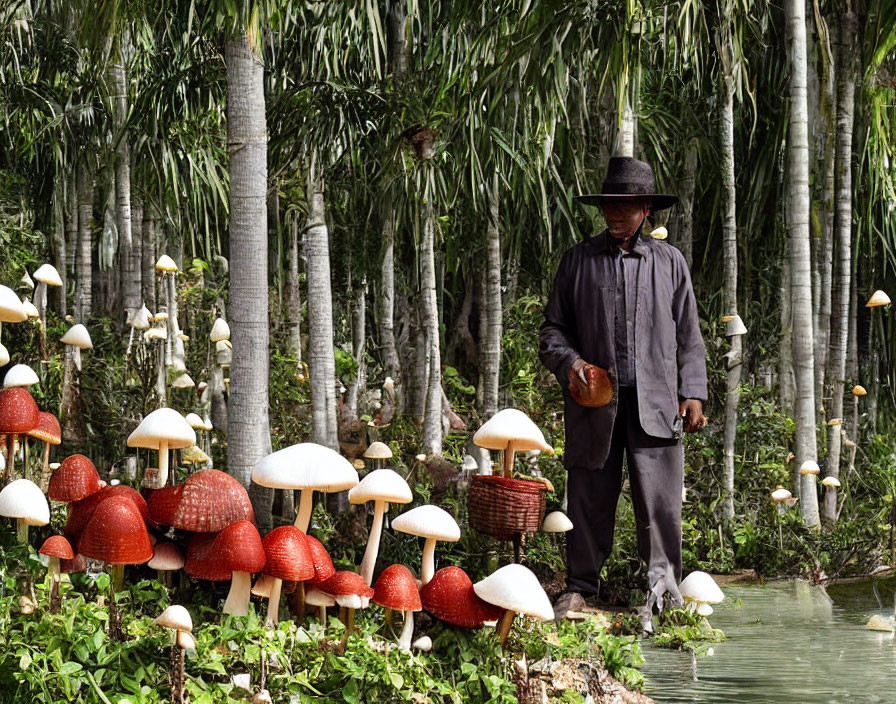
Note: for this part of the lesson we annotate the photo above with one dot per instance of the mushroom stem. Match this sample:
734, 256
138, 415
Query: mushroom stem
76, 357
40, 301
10, 455
22, 531
45, 471
349, 627
303, 515
163, 464
373, 541
508, 460
237, 602
503, 626
428, 564
116, 579
177, 672
274, 603
53, 570
323, 616
407, 632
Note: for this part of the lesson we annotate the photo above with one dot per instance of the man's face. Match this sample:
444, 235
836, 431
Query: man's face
624, 216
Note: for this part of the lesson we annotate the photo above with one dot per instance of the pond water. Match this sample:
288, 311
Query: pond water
787, 642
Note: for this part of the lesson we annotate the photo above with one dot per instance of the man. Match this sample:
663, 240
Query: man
623, 301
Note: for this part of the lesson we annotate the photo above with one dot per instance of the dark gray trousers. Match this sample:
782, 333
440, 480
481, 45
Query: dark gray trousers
656, 476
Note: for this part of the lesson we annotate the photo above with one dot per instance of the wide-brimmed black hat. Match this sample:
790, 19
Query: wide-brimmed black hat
629, 178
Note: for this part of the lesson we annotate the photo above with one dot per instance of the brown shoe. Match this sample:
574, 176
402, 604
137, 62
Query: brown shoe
566, 602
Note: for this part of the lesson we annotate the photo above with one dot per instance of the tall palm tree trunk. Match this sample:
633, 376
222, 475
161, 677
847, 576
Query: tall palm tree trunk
843, 230
293, 294
248, 438
432, 414
391, 360
490, 339
800, 257
359, 332
60, 251
148, 258
83, 263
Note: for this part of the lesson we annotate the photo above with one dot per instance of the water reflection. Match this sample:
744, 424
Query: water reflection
788, 643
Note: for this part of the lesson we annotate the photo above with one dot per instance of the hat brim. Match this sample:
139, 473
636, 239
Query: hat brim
660, 201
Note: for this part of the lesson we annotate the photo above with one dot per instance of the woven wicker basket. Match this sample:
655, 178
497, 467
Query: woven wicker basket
501, 507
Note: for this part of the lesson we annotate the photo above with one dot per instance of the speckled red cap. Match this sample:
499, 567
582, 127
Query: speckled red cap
288, 554
396, 588
57, 546
80, 512
323, 565
343, 583
216, 556
207, 502
47, 429
74, 479
116, 534
449, 596
18, 411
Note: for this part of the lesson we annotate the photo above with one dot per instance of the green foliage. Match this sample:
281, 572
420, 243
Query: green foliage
681, 629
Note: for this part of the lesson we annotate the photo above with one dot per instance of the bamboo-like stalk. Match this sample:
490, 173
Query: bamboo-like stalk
502, 628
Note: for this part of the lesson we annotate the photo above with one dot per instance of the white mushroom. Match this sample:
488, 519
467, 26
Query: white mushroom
23, 500
699, 590
20, 375
510, 430
382, 486
220, 330
878, 298
315, 597
161, 430
432, 523
556, 522
11, 310
734, 326
176, 617
810, 467
78, 339
516, 590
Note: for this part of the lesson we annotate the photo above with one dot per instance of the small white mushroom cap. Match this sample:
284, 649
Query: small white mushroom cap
163, 424
515, 588
195, 421
880, 623
428, 521
556, 522
26, 281
306, 465
704, 609
659, 233
381, 485
699, 587
835, 421
315, 597
47, 274
11, 310
160, 317
186, 641
176, 616
810, 467
831, 482
735, 326
166, 557
511, 425
378, 451
780, 494
142, 319
183, 381
878, 298
165, 264
352, 601
158, 333
23, 500
208, 422
77, 336
20, 375
4, 355
30, 309
423, 644
470, 464
220, 330
859, 390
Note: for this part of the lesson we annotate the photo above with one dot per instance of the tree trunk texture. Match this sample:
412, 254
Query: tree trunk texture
72, 206
359, 336
83, 262
136, 266
625, 138
432, 415
130, 281
800, 253
681, 221
846, 77
248, 438
729, 240
391, 360
60, 251
321, 359
490, 337
293, 295
148, 259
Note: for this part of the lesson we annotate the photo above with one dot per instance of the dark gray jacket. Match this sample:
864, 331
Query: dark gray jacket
670, 359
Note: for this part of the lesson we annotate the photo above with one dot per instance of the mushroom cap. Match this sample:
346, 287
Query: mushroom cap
216, 556
177, 617
378, 451
77, 564
831, 482
659, 233
26, 281
735, 326
183, 381
509, 425
345, 583
878, 298
396, 588
159, 333
80, 512
75, 479
781, 494
47, 274
428, 521
288, 554
23, 500
556, 522
30, 309
262, 586
160, 317
194, 455
423, 643
166, 557
315, 597
207, 502
47, 429
77, 336
220, 330
142, 319
859, 390
185, 640
516, 588
449, 596
194, 421
165, 264
4, 355
163, 424
18, 411
223, 346
11, 309
323, 564
57, 546
116, 534
306, 465
381, 485
810, 467
700, 587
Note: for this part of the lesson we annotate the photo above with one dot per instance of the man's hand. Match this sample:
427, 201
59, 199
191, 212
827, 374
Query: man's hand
579, 368
692, 411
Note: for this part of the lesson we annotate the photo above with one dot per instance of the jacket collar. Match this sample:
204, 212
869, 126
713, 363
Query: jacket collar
604, 244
